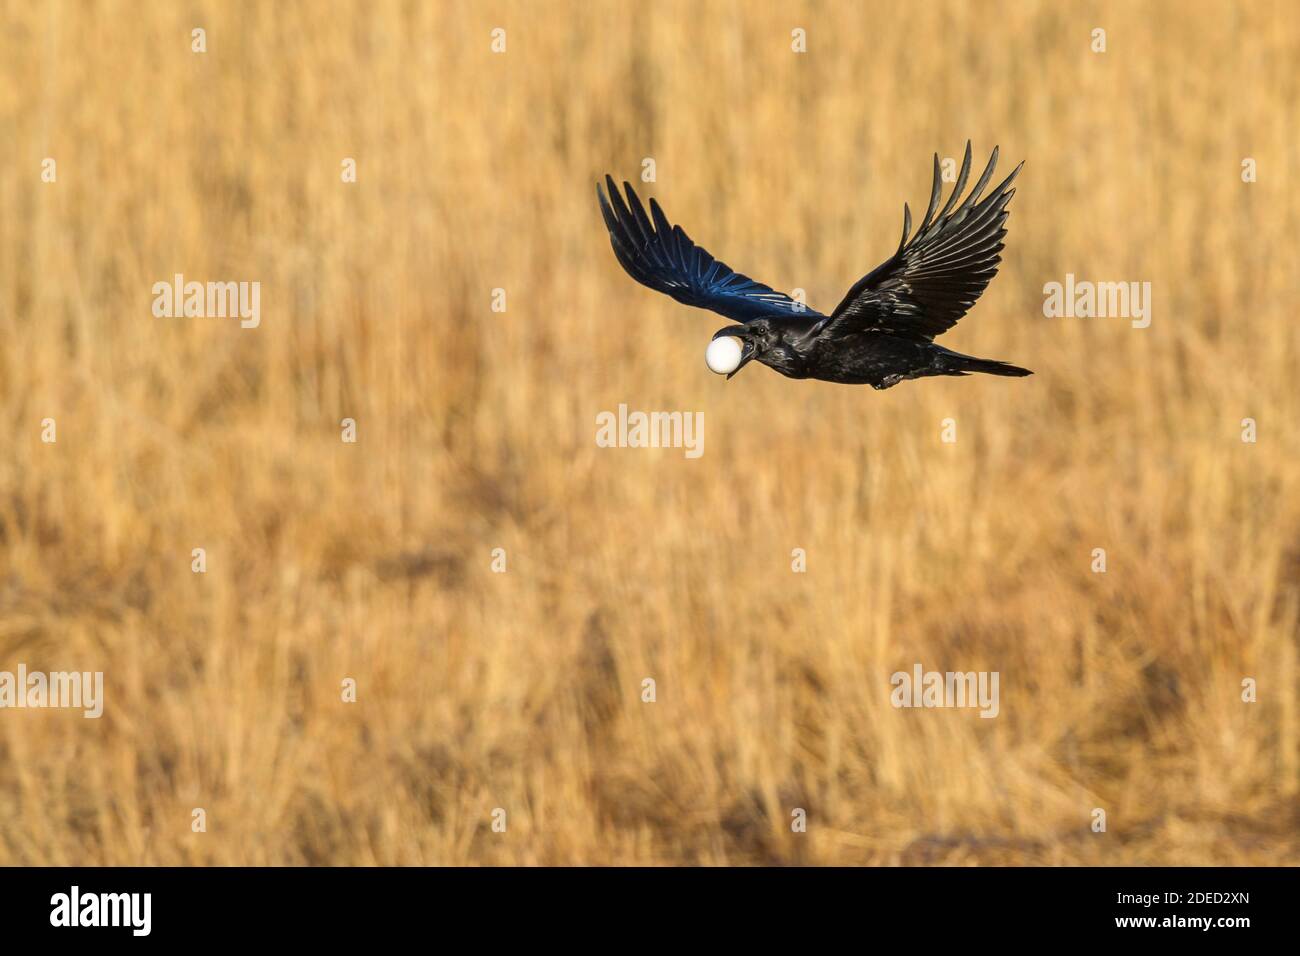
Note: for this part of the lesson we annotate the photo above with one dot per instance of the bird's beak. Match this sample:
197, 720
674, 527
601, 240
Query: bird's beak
747, 350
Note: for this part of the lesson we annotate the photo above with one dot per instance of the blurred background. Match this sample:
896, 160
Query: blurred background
476, 430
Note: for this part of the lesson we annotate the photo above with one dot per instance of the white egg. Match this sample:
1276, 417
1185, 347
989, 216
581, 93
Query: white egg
723, 355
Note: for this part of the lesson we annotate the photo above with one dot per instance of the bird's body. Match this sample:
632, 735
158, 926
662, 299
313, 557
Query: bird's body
880, 334
870, 357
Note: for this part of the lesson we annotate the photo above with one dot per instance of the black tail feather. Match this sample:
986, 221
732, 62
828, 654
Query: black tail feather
954, 363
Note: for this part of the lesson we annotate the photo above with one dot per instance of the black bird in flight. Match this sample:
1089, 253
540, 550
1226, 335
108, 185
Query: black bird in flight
884, 329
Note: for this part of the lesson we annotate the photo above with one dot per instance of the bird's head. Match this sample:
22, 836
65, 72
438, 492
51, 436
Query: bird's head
754, 337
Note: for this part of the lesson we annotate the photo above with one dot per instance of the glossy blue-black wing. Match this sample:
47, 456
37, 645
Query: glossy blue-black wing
660, 255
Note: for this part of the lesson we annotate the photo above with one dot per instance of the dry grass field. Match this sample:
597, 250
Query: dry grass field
522, 690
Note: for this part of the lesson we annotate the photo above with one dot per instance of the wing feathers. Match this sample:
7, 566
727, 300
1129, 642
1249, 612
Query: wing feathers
937, 274
933, 278
662, 256
935, 192
961, 182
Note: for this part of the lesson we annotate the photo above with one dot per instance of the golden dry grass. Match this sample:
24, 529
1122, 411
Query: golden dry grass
522, 690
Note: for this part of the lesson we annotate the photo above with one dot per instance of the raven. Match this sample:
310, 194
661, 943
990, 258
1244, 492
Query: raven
884, 329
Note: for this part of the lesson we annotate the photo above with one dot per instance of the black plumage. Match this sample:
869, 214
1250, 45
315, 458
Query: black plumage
882, 332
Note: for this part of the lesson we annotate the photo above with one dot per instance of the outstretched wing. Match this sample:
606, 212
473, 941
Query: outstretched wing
661, 256
936, 276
